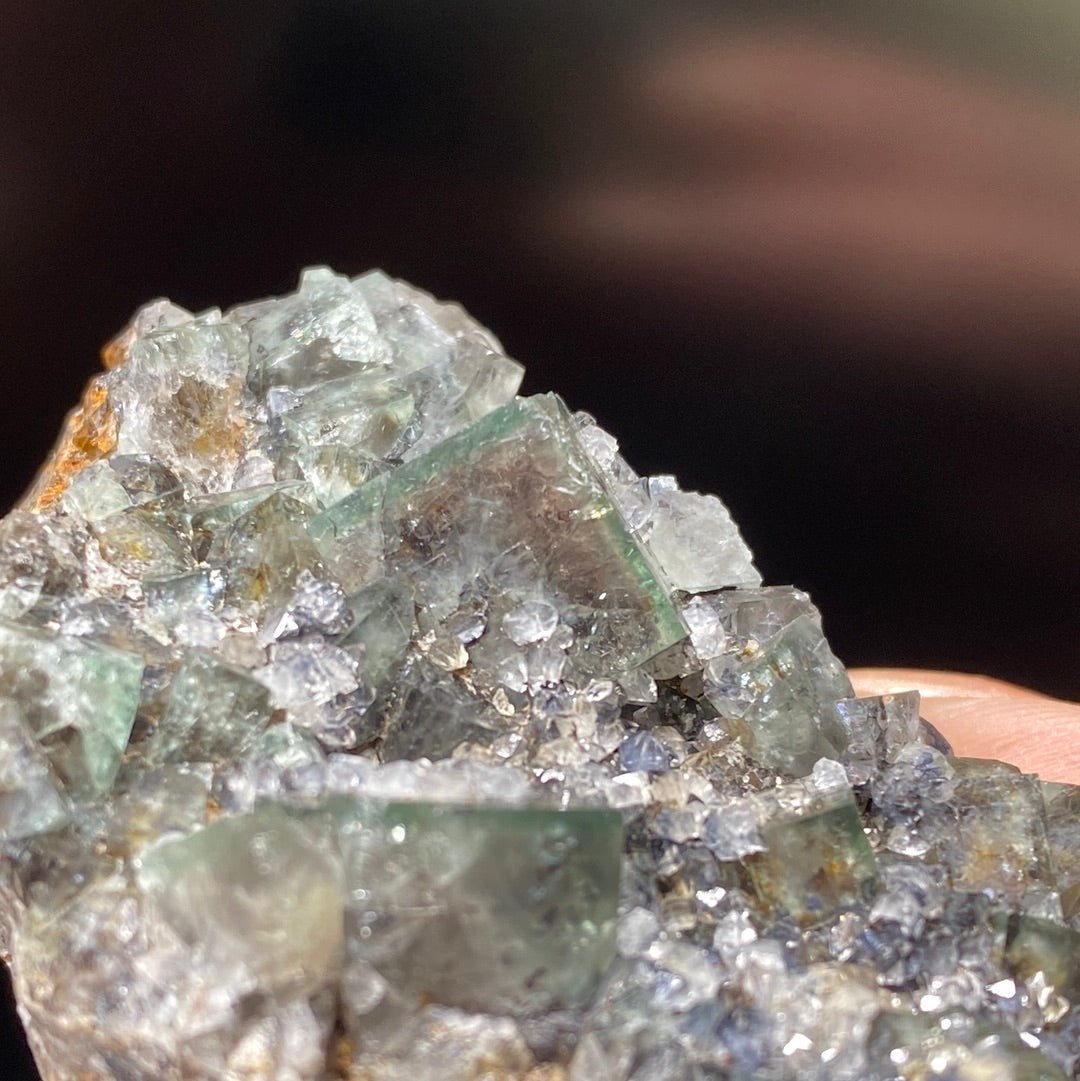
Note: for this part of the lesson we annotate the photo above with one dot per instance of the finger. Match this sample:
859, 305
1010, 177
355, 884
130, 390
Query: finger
988, 718
936, 684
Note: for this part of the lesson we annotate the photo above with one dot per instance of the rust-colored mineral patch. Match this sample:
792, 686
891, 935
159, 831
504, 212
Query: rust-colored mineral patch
115, 352
89, 435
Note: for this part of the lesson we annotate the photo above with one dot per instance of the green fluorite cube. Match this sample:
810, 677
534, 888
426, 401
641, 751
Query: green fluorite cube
514, 503
1000, 844
792, 682
258, 895
1041, 953
213, 711
77, 699
817, 864
499, 910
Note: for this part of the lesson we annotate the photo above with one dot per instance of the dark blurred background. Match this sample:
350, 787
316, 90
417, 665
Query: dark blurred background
828, 268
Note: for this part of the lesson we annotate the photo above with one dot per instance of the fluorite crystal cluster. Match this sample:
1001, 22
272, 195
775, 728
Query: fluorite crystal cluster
361, 719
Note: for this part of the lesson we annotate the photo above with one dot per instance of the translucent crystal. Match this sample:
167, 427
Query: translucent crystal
1000, 844
324, 330
308, 671
214, 711
695, 541
476, 513
531, 621
432, 714
382, 627
781, 694
953, 1044
143, 546
1045, 958
731, 832
181, 398
490, 910
257, 894
878, 729
263, 552
1062, 802
77, 700
643, 751
30, 794
788, 873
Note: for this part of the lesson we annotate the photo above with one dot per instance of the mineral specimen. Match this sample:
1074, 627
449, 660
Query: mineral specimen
361, 719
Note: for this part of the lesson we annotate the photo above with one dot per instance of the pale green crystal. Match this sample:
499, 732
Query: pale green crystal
263, 551
356, 412
333, 471
1062, 803
492, 910
431, 713
1043, 954
815, 864
172, 601
77, 699
511, 502
142, 545
1000, 845
259, 892
30, 793
182, 393
214, 712
781, 694
169, 801
213, 942
382, 628
210, 518
326, 329
695, 542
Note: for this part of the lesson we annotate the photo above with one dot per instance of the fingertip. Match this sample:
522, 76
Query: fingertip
933, 683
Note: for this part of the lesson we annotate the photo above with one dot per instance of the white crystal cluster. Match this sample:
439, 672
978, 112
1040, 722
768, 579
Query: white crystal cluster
360, 718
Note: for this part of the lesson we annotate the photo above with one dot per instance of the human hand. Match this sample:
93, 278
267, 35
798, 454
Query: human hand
988, 718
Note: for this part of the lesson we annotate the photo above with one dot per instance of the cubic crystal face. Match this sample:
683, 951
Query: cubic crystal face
493, 911
255, 891
513, 510
76, 698
815, 865
361, 719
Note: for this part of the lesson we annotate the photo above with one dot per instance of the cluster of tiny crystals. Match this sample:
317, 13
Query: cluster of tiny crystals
363, 719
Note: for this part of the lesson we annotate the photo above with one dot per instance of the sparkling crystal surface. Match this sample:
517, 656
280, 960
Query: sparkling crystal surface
361, 719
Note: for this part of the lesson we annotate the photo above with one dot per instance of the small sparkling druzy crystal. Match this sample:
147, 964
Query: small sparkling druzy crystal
362, 719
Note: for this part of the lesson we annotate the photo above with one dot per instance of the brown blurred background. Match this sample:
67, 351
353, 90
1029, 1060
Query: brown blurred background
828, 268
